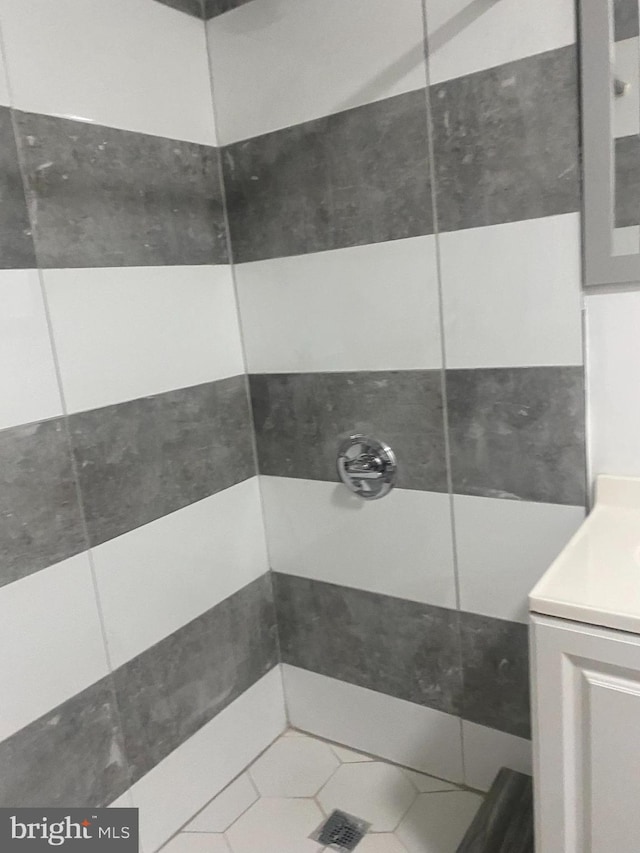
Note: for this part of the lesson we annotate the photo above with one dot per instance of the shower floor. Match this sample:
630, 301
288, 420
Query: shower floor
299, 780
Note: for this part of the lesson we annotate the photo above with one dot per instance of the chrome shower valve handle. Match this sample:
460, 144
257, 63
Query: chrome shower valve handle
367, 466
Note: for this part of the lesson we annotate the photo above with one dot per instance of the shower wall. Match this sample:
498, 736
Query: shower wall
136, 615
505, 116
404, 238
406, 241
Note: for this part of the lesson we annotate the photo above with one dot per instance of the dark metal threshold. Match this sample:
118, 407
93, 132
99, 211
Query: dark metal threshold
504, 822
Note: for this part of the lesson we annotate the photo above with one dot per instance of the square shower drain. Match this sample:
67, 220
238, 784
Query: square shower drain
341, 831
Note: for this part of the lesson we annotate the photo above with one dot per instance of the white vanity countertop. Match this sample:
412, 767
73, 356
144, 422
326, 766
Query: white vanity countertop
596, 578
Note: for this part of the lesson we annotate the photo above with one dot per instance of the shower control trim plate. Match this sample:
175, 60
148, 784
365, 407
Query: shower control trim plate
367, 466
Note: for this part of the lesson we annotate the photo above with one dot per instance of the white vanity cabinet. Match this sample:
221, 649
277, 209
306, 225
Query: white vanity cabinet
586, 709
585, 664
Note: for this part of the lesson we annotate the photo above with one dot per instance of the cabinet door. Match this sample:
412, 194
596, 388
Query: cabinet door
586, 734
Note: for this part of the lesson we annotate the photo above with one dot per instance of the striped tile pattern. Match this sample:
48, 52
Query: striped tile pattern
188, 678
518, 161
72, 755
143, 459
295, 411
359, 176
402, 648
105, 197
41, 521
486, 207
129, 505
92, 747
420, 284
461, 663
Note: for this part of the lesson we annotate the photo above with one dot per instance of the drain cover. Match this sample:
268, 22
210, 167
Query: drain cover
341, 831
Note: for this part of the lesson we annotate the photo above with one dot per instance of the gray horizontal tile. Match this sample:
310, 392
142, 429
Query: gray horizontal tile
495, 665
301, 418
16, 242
145, 458
403, 648
518, 433
358, 176
213, 8
70, 757
105, 197
40, 519
627, 181
177, 686
625, 18
506, 142
190, 7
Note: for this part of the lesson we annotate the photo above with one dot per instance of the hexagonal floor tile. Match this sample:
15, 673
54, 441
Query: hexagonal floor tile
293, 767
377, 793
436, 823
276, 826
381, 842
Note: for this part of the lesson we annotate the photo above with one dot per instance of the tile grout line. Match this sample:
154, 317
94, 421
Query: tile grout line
406, 812
445, 409
243, 344
314, 798
443, 349
222, 790
236, 819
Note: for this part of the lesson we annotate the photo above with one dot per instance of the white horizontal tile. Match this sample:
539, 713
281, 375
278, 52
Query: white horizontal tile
128, 332
314, 526
28, 384
372, 307
626, 67
227, 807
613, 367
511, 293
487, 750
52, 641
5, 98
132, 64
400, 731
179, 566
626, 240
281, 62
191, 843
204, 764
503, 549
469, 35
